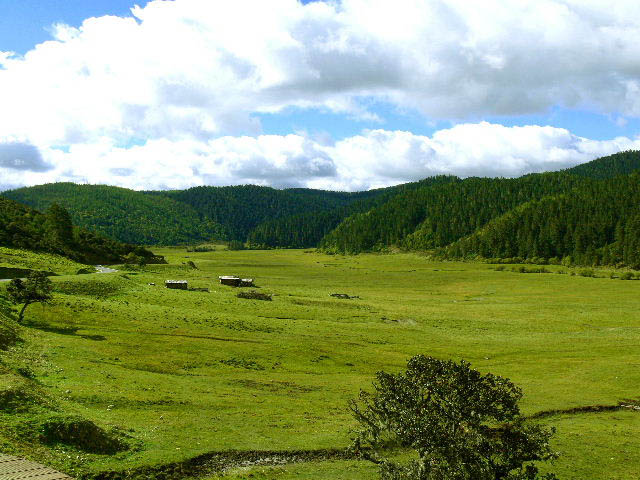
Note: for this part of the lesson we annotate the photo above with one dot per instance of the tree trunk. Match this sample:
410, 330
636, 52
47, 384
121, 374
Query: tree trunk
21, 314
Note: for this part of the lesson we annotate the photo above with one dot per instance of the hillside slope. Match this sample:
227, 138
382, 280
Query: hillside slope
622, 163
433, 217
432, 213
126, 215
307, 229
590, 225
53, 232
240, 209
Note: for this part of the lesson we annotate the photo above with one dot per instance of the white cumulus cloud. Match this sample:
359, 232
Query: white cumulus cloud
169, 95
376, 158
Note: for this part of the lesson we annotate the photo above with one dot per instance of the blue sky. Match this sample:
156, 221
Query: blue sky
349, 95
25, 23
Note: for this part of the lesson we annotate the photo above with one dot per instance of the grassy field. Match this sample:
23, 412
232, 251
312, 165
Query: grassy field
177, 374
11, 258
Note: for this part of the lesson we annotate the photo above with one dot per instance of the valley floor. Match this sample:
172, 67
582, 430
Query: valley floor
186, 373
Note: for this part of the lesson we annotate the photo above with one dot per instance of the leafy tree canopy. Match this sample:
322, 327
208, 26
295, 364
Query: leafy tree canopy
459, 424
35, 289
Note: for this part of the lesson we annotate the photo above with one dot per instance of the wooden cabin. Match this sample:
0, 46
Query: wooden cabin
177, 284
230, 280
234, 281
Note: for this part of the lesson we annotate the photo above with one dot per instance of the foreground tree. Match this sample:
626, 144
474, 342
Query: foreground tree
35, 289
457, 423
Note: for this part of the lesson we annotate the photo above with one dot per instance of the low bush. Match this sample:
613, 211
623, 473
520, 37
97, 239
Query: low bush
253, 295
82, 434
202, 248
523, 269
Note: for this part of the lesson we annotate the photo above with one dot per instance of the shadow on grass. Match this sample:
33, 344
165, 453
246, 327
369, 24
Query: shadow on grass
71, 331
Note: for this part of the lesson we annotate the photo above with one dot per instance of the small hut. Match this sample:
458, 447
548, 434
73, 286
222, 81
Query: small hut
234, 281
230, 280
177, 284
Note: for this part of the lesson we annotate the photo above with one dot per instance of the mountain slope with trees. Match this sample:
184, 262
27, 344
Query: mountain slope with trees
435, 217
622, 163
126, 215
307, 229
240, 209
593, 224
53, 232
434, 213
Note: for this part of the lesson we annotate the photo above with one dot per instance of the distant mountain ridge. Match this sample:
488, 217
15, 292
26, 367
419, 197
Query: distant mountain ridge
550, 215
433, 214
123, 214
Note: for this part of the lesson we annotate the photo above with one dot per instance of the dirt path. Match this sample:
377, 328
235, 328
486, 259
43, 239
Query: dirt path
102, 269
221, 462
99, 269
14, 468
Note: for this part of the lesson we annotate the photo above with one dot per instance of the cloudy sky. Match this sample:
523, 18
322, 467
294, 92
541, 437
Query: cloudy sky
348, 95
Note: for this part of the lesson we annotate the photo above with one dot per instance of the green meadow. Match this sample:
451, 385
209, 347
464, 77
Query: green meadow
179, 374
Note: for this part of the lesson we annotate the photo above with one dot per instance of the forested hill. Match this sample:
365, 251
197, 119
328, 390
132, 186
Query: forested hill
436, 216
431, 214
593, 224
622, 163
308, 228
239, 209
53, 232
205, 213
122, 214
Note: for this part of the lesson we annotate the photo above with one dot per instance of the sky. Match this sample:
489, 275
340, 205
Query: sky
340, 95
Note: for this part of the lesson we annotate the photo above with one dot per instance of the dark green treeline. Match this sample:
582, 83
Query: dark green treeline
488, 217
53, 232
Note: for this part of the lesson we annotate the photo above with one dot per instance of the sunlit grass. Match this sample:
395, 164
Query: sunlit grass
187, 373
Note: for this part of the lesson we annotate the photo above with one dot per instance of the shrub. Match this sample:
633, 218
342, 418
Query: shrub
202, 248
253, 295
567, 261
82, 434
626, 276
587, 272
